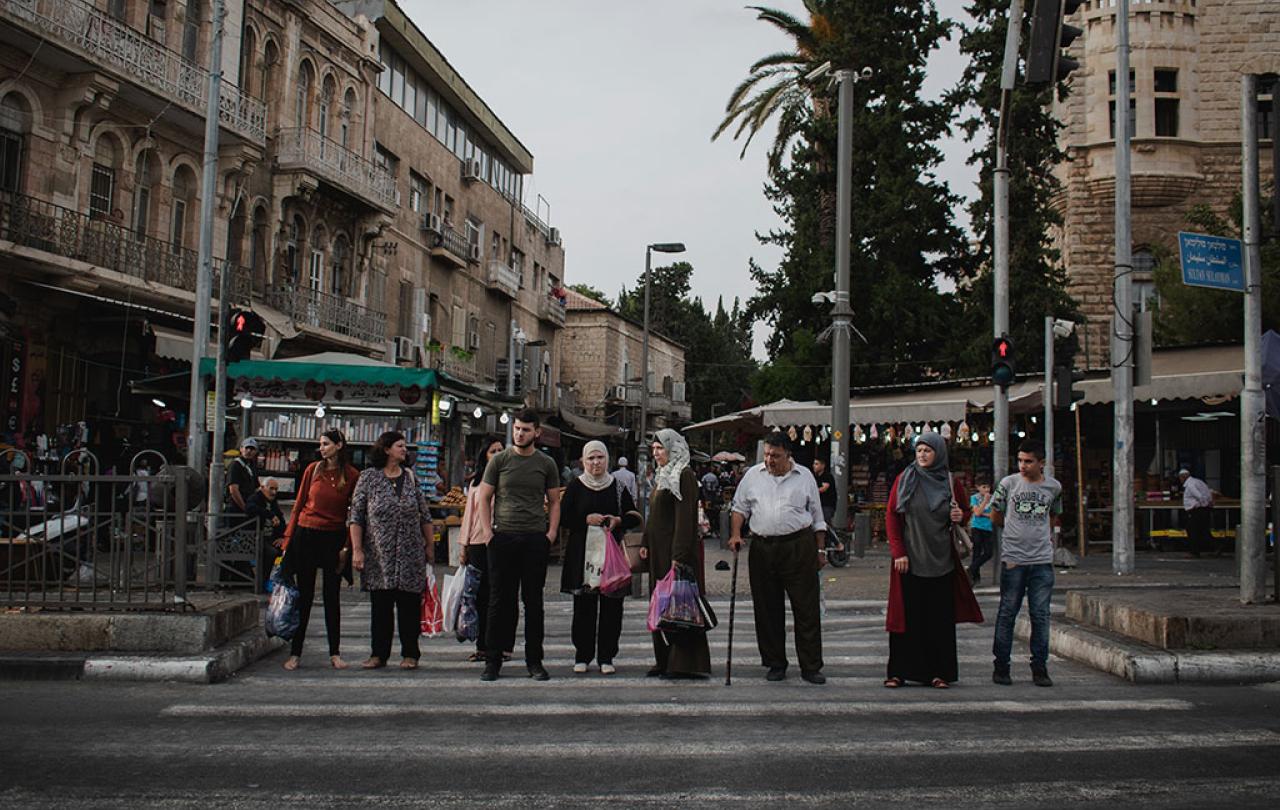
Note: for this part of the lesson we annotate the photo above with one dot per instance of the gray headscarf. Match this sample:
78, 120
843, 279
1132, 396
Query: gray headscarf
931, 483
668, 476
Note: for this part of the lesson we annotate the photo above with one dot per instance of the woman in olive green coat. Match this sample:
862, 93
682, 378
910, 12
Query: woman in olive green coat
671, 538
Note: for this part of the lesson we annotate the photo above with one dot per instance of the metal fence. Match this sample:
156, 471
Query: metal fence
119, 542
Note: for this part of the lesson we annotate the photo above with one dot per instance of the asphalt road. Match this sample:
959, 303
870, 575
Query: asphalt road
440, 737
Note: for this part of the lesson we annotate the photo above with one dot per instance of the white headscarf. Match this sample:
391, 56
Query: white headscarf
668, 476
593, 483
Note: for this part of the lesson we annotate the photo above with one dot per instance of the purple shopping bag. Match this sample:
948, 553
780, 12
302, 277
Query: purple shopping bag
658, 602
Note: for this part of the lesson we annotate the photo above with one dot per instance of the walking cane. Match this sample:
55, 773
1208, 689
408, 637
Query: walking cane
733, 601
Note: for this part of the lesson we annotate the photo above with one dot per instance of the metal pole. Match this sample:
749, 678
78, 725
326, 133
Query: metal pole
216, 469
642, 452
1000, 249
1048, 395
1275, 527
842, 313
196, 456
511, 373
1122, 341
1253, 457
1082, 527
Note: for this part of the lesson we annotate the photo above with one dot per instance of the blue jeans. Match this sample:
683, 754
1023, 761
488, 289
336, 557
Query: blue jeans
1036, 583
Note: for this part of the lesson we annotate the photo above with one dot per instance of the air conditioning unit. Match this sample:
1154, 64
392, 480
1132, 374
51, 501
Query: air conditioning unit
432, 223
473, 341
553, 236
471, 171
617, 392
404, 349
474, 253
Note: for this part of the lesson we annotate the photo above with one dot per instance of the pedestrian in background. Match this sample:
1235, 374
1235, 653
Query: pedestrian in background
1028, 506
519, 496
1197, 502
710, 484
315, 538
265, 506
628, 479
392, 543
671, 539
780, 498
826, 489
474, 542
980, 528
929, 592
595, 498
242, 476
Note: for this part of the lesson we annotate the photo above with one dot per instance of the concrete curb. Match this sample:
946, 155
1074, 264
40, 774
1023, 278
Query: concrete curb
209, 667
1140, 663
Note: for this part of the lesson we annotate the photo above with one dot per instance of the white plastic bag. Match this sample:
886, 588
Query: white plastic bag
451, 596
593, 558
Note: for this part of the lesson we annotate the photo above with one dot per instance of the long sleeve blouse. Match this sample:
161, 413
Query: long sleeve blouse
577, 503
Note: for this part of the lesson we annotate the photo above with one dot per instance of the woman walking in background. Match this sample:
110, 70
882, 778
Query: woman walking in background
315, 537
474, 541
391, 543
671, 539
929, 591
594, 498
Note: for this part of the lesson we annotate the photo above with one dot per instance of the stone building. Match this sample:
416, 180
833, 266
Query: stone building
601, 364
1186, 60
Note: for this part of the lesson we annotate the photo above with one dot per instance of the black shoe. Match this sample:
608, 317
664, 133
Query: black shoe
776, 674
538, 672
1040, 676
815, 677
1001, 676
491, 670
653, 672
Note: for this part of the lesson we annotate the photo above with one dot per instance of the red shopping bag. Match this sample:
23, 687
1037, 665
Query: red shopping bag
615, 576
661, 596
432, 610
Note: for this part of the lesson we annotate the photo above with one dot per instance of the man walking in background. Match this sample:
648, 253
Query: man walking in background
1197, 502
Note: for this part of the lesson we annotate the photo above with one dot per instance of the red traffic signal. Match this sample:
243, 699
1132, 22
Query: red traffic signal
1002, 373
243, 334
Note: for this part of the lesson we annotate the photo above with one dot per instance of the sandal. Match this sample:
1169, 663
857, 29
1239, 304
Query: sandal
893, 683
938, 683
292, 663
409, 663
336, 662
476, 656
373, 662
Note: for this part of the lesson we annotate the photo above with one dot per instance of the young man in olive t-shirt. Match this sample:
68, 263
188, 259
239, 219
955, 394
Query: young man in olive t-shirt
517, 483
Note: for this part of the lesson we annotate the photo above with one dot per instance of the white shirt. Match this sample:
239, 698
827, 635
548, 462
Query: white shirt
628, 480
1195, 494
779, 504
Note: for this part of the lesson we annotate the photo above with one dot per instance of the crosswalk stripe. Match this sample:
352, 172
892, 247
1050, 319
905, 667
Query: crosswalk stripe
433, 677
683, 710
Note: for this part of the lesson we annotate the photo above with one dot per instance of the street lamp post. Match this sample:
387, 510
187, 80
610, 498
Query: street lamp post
643, 450
514, 336
712, 432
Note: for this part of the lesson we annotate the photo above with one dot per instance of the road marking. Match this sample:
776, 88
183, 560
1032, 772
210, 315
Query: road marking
683, 710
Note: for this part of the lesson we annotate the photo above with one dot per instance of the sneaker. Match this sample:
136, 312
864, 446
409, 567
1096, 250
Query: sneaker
491, 670
580, 668
1040, 676
608, 669
539, 672
1001, 676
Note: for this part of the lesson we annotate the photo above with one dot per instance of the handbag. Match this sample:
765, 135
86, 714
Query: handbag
959, 537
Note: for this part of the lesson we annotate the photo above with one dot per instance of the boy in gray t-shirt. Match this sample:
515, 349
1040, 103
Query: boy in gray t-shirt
1027, 507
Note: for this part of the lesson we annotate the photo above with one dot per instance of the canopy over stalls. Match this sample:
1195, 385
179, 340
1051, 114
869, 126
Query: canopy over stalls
328, 367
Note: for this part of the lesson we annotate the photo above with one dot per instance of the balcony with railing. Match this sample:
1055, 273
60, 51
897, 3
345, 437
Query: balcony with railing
502, 279
551, 310
452, 246
300, 149
31, 223
328, 314
460, 366
136, 59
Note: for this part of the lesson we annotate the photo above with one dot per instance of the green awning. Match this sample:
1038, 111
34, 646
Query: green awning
305, 370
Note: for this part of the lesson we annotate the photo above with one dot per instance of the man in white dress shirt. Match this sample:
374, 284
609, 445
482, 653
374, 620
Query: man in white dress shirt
1197, 502
780, 499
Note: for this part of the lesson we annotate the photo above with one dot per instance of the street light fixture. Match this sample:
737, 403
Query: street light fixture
643, 454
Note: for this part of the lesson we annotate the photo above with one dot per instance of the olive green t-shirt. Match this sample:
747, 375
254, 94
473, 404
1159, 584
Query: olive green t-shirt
520, 484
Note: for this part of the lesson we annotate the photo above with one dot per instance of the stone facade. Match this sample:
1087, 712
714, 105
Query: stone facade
1187, 57
601, 363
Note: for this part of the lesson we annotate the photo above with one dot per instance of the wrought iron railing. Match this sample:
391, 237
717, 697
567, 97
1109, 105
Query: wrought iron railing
503, 279
463, 368
33, 223
104, 40
453, 242
327, 311
308, 149
551, 309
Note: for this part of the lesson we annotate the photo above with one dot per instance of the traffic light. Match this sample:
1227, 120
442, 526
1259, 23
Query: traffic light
243, 334
1064, 380
1046, 64
1002, 361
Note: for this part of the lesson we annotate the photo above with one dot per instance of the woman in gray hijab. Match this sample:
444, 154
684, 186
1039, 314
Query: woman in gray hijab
928, 591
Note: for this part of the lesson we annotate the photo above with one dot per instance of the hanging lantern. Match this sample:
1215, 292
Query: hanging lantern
928, 428
963, 431
791, 433
858, 435
946, 431
875, 434
908, 432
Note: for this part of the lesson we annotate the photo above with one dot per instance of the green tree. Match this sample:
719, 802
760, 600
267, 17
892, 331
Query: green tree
1037, 280
903, 238
592, 293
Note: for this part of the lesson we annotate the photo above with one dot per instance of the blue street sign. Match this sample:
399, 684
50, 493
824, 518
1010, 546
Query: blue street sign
1211, 261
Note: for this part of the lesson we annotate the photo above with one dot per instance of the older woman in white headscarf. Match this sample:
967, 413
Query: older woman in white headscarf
671, 540
594, 499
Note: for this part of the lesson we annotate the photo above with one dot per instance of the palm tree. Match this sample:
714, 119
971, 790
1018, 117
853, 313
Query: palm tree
776, 84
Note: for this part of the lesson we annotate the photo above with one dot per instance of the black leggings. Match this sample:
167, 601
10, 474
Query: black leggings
308, 550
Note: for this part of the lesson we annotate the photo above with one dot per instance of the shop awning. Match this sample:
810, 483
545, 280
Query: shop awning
745, 420
328, 367
1195, 373
174, 344
930, 405
582, 425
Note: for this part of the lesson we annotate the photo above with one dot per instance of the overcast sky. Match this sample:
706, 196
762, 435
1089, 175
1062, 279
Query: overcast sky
617, 102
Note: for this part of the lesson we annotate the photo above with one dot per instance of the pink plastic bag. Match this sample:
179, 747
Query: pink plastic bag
432, 610
615, 577
661, 596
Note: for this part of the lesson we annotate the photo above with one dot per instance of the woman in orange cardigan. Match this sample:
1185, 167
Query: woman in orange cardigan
316, 535
929, 591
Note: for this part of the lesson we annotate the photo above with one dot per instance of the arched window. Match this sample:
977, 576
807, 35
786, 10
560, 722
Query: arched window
327, 93
293, 250
348, 114
340, 265
302, 100
146, 176
183, 211
248, 56
258, 249
103, 178
315, 264
15, 122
